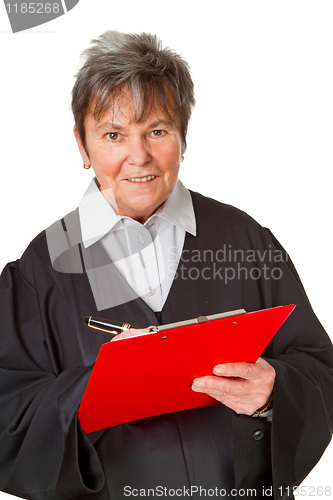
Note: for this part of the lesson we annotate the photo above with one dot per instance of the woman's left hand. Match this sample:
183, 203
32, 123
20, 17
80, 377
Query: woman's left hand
243, 387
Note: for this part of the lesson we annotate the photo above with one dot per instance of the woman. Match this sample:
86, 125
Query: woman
142, 248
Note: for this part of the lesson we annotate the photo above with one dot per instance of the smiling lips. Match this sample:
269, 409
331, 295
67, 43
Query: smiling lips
142, 179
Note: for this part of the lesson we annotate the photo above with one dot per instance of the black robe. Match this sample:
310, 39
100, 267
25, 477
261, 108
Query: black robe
47, 353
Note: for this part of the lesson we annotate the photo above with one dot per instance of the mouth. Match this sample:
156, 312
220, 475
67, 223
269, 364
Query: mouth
141, 179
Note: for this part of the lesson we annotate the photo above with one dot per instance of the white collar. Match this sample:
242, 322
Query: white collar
97, 217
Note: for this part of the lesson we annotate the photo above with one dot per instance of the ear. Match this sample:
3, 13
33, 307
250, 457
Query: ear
82, 150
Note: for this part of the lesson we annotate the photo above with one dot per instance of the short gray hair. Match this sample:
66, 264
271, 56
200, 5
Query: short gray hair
138, 62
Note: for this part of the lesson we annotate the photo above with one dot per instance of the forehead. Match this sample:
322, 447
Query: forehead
128, 109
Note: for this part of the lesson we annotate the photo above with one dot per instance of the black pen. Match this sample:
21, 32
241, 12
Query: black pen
107, 325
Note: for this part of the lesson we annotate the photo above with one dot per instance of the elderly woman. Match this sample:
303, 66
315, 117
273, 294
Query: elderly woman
143, 249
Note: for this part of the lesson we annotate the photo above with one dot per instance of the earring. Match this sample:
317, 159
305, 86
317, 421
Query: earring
182, 158
84, 166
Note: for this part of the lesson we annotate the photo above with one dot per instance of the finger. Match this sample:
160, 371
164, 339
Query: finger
227, 394
238, 394
207, 386
217, 385
249, 371
132, 332
234, 389
241, 370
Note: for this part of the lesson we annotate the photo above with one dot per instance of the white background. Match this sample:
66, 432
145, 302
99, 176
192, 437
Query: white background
260, 137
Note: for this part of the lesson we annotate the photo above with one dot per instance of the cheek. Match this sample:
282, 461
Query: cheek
168, 152
170, 159
106, 162
174, 162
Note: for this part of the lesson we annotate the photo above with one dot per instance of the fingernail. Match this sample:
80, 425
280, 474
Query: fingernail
198, 384
218, 370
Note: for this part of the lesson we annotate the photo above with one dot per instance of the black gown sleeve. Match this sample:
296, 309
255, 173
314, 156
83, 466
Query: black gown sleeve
302, 356
42, 381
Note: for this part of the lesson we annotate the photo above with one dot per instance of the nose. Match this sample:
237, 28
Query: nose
139, 152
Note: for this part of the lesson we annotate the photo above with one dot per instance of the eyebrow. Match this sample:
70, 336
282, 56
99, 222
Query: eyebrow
108, 126
117, 127
159, 123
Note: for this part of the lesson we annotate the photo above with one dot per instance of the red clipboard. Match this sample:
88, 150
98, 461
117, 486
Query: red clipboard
147, 375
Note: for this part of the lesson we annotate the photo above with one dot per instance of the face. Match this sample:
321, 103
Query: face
139, 162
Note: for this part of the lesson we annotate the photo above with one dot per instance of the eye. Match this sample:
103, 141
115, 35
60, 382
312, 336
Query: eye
113, 136
158, 133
